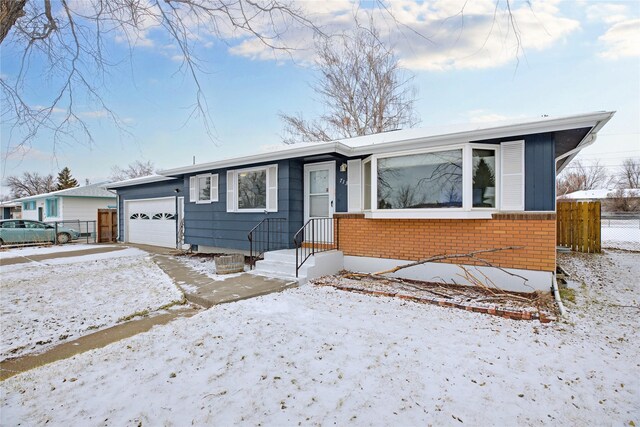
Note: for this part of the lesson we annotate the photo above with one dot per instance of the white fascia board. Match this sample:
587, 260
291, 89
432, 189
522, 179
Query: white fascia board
305, 149
407, 140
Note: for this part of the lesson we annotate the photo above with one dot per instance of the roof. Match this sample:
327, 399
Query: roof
600, 193
93, 190
10, 204
422, 137
140, 180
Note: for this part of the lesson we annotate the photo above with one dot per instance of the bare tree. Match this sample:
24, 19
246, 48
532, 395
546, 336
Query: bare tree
629, 174
362, 87
30, 184
133, 170
623, 200
581, 176
69, 37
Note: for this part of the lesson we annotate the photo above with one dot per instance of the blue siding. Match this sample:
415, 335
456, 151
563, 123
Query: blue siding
539, 169
147, 191
540, 173
210, 224
341, 188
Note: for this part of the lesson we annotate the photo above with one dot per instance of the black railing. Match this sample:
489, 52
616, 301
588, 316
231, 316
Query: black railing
269, 235
316, 235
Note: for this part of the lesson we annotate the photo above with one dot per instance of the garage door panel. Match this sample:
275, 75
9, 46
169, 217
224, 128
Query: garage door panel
152, 222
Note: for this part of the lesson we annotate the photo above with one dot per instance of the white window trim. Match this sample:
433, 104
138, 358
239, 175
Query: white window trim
268, 201
213, 194
466, 211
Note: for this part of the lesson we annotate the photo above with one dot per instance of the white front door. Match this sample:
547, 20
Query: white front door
319, 199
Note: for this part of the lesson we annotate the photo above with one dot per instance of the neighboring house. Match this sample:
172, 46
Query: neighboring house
10, 210
395, 197
78, 203
610, 199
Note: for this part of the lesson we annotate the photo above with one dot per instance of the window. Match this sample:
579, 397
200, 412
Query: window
461, 181
366, 188
484, 178
51, 207
253, 190
139, 216
428, 180
34, 225
163, 215
10, 224
29, 206
203, 188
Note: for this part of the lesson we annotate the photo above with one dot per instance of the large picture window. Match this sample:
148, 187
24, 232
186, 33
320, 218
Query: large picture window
252, 189
428, 180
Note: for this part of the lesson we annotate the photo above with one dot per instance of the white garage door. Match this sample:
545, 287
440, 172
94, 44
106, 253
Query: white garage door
151, 222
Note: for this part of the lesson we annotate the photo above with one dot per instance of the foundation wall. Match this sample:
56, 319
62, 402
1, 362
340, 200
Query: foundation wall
415, 239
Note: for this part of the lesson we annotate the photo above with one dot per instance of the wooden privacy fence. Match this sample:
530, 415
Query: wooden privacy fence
578, 225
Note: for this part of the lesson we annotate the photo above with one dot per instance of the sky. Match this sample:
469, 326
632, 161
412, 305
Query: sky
467, 62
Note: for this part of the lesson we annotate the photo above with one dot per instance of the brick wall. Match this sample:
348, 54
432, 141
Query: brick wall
414, 239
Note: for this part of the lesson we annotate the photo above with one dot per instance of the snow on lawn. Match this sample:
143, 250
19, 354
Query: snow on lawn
44, 250
621, 238
316, 355
46, 303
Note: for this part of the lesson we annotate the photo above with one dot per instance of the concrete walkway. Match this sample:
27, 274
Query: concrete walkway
68, 254
200, 289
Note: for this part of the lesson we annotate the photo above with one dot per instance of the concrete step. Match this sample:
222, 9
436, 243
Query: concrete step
285, 256
279, 267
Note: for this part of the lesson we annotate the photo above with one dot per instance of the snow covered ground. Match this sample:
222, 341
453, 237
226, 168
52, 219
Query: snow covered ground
43, 304
620, 237
320, 356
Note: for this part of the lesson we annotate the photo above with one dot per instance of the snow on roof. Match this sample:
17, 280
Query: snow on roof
93, 190
601, 193
139, 180
403, 139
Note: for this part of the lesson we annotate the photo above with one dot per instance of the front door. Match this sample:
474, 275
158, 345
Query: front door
40, 213
319, 199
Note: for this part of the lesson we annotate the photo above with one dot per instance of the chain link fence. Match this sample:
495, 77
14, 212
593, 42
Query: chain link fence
620, 230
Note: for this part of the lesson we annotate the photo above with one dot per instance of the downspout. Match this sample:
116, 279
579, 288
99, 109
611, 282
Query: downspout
556, 295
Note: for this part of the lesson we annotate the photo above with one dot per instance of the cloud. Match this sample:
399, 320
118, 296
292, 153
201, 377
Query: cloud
609, 13
438, 35
621, 40
98, 114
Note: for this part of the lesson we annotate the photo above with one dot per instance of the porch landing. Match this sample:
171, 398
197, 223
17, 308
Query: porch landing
281, 264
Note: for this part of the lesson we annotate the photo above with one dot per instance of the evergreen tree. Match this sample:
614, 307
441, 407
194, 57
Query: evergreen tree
65, 180
483, 178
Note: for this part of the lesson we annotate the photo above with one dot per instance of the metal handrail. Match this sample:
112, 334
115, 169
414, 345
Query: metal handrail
267, 235
315, 236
